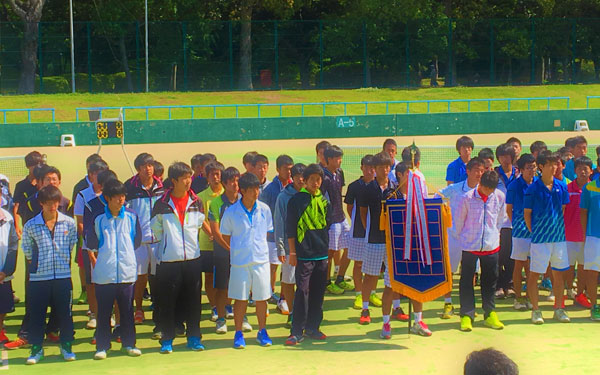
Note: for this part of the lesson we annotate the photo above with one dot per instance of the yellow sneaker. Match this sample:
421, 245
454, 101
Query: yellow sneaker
375, 300
493, 322
448, 311
466, 325
358, 302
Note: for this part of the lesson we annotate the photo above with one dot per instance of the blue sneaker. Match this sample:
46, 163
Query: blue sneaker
263, 338
228, 312
213, 314
238, 341
166, 347
194, 343
546, 284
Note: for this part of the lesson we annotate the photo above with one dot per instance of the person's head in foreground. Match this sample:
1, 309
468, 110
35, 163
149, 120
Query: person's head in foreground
489, 362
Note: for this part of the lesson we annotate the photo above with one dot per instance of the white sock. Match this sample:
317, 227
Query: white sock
366, 305
417, 316
386, 319
396, 303
359, 293
373, 292
448, 300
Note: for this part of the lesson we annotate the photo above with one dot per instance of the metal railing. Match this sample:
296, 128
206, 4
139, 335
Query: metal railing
335, 108
587, 100
28, 110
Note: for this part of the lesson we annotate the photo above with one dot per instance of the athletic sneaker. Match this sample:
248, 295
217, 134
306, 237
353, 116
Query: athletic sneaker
399, 314
551, 297
365, 317
228, 312
536, 317
273, 299
246, 327
288, 323
493, 322
283, 308
583, 301
510, 293
546, 284
357, 302
293, 340
262, 337
238, 340
3, 338
221, 326
595, 313
53, 337
499, 294
131, 351
156, 335
166, 347
91, 324
334, 289
344, 285
386, 331
466, 324
572, 293
318, 335
67, 352
561, 316
520, 304
448, 311
421, 329
213, 314
82, 300
194, 343
37, 354
100, 355
139, 317
375, 300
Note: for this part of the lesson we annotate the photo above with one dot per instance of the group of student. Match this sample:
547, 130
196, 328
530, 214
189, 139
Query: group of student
236, 229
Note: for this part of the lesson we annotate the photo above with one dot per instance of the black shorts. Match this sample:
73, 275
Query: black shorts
7, 301
221, 269
206, 258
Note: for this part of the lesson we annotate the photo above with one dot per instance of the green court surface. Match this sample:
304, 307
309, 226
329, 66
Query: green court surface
553, 348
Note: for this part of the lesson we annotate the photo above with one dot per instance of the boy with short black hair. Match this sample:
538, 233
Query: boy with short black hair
331, 188
575, 234
114, 238
25, 188
482, 212
176, 219
269, 195
563, 158
247, 160
457, 170
200, 176
356, 241
544, 205
288, 280
537, 147
307, 231
244, 227
229, 180
487, 155
453, 193
391, 147
410, 155
320, 148
260, 167
579, 149
212, 171
47, 242
143, 190
517, 146
521, 237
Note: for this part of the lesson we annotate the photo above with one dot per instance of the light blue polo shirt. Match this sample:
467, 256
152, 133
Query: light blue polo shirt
248, 231
547, 219
515, 195
590, 200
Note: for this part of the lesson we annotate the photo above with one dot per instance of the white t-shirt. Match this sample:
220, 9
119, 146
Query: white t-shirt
82, 198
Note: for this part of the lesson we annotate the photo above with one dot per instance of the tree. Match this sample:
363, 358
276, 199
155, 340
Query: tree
30, 12
246, 45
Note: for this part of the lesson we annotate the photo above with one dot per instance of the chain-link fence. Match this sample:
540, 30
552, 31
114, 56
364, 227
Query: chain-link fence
205, 55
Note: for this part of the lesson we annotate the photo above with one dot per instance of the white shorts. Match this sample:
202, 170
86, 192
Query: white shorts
591, 254
338, 236
273, 259
554, 253
373, 258
153, 260
520, 248
356, 247
288, 272
575, 252
255, 278
454, 251
142, 257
